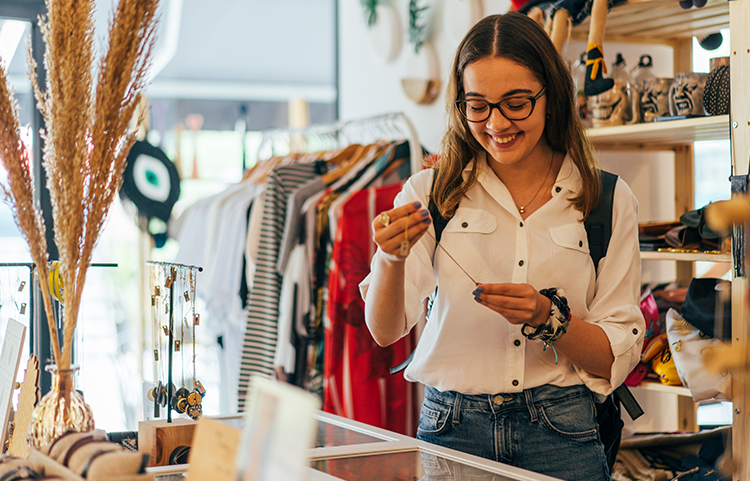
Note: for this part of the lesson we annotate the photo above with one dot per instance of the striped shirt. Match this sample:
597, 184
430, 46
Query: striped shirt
259, 344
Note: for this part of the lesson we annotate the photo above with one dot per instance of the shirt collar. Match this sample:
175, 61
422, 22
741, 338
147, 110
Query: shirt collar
568, 178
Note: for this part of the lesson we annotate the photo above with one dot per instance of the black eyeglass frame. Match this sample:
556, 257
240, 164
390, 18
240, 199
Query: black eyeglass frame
496, 105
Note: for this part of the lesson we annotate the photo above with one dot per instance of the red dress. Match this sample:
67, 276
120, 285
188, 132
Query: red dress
358, 384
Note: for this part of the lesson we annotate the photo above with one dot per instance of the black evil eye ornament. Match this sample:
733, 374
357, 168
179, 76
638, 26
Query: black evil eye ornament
152, 183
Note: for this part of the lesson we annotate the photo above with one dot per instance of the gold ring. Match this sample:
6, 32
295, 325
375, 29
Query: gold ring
384, 219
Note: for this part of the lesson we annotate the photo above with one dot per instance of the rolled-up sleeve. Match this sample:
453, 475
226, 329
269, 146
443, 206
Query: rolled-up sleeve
419, 279
615, 307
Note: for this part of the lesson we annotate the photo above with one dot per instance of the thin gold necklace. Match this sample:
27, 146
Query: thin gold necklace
522, 208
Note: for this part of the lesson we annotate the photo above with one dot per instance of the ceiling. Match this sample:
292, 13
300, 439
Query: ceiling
235, 50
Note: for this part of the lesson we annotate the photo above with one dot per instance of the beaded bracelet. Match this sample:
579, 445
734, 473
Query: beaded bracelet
557, 322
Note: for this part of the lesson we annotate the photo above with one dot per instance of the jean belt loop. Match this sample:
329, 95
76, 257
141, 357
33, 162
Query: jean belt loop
457, 408
530, 405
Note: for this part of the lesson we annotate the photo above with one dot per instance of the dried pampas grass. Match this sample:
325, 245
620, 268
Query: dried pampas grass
86, 138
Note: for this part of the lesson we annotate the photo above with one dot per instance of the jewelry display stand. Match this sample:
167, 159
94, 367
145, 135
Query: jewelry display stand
172, 286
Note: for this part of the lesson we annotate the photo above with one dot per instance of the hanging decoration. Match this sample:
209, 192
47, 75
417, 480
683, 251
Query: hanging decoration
384, 29
421, 83
87, 106
417, 27
371, 13
152, 183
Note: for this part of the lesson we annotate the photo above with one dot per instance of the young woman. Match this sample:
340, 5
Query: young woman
516, 178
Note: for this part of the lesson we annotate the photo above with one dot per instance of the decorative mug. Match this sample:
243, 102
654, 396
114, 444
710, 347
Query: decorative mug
655, 98
616, 106
686, 93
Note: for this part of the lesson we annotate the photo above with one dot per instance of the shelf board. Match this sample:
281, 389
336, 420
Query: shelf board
661, 135
659, 22
685, 256
653, 385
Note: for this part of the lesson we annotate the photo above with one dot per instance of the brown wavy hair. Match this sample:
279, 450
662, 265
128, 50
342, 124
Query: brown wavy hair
516, 37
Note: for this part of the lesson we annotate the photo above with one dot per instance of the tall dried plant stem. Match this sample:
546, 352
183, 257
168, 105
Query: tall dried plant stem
20, 195
87, 139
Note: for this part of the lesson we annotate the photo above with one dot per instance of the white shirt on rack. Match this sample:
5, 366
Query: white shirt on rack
469, 348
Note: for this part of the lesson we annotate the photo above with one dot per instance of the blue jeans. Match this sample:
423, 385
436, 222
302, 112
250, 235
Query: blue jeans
548, 429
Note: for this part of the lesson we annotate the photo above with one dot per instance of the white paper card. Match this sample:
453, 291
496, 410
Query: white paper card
10, 359
278, 433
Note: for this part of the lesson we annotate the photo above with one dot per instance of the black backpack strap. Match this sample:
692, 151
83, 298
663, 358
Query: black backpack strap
438, 221
629, 402
599, 231
599, 222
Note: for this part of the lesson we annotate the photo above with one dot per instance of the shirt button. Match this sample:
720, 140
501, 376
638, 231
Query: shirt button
520, 224
558, 189
465, 225
497, 399
517, 342
580, 243
520, 263
635, 331
515, 382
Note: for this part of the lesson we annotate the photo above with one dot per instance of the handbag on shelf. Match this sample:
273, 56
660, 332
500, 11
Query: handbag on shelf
688, 345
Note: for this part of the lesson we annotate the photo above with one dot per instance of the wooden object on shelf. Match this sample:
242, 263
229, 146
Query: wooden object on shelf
27, 399
159, 438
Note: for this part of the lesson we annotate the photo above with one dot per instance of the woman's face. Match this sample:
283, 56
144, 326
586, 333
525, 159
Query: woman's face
496, 79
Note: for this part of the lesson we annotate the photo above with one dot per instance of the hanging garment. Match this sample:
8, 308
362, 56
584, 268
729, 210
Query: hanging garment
358, 384
259, 343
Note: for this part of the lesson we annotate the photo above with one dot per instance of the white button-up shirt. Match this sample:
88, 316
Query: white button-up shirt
469, 348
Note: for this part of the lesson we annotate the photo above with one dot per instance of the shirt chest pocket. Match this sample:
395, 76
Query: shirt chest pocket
468, 239
570, 254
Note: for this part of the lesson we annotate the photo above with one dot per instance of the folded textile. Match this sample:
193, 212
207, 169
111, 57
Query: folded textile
92, 456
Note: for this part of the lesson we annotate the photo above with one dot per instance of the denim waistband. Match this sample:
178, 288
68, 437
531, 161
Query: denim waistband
537, 395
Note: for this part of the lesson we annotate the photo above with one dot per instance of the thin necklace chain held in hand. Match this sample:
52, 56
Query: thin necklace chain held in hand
522, 208
405, 243
454, 260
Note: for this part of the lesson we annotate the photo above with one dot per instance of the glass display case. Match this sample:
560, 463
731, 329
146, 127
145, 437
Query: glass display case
347, 450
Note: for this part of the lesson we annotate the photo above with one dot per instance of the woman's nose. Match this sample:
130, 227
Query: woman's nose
497, 120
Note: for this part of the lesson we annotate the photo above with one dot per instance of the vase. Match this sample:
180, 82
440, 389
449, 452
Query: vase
61, 410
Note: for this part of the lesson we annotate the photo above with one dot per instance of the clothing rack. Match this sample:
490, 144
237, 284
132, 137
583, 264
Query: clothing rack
390, 126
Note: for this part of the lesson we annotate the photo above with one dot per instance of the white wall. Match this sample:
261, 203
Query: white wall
368, 87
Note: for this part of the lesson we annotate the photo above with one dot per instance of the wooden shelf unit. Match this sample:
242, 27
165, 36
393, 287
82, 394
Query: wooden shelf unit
664, 135
685, 256
661, 22
664, 22
653, 385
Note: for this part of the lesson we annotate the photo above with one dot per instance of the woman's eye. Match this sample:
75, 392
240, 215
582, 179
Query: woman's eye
519, 105
477, 106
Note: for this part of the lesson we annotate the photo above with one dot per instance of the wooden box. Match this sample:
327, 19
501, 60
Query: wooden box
159, 438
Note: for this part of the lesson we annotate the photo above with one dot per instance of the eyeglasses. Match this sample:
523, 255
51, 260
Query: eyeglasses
517, 108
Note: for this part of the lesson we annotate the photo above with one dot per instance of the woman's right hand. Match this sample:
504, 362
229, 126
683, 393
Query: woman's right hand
406, 223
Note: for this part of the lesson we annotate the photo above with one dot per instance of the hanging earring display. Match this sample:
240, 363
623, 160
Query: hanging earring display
173, 297
195, 398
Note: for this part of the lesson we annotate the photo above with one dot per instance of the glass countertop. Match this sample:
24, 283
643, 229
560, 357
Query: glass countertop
332, 435
403, 466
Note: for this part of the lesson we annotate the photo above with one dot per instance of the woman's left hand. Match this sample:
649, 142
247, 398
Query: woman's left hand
518, 303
